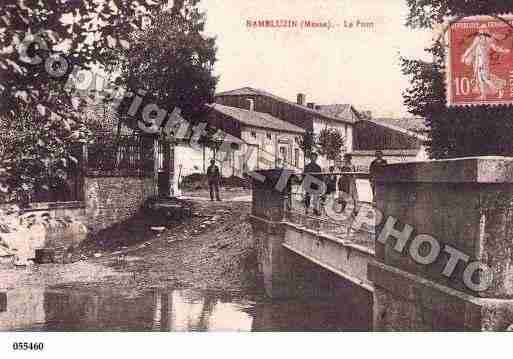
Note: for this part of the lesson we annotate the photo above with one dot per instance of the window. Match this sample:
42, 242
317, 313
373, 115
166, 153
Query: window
283, 153
253, 134
269, 136
296, 157
281, 159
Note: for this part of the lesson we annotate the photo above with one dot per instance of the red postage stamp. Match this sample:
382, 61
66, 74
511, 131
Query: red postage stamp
480, 61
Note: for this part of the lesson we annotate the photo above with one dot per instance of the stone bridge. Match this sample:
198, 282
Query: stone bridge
441, 258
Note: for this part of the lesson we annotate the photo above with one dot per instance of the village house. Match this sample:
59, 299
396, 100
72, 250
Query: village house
307, 116
256, 140
268, 142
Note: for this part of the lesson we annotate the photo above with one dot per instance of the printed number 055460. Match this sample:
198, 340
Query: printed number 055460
27, 346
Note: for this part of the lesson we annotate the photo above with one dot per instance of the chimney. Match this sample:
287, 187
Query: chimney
311, 105
301, 98
251, 104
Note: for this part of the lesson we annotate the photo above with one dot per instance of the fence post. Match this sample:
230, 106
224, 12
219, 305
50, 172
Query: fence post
83, 172
155, 166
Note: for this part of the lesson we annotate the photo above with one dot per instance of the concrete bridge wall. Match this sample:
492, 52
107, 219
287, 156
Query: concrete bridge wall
293, 259
445, 224
466, 206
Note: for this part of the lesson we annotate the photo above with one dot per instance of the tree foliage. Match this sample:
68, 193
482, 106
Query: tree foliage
171, 61
427, 13
459, 131
32, 88
331, 143
32, 155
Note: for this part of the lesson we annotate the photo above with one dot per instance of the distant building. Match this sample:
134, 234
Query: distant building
260, 141
413, 124
268, 142
343, 111
308, 116
266, 130
400, 140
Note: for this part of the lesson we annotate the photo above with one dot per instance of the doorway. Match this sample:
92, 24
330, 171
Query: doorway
165, 169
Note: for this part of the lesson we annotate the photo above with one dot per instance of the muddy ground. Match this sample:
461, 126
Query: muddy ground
210, 249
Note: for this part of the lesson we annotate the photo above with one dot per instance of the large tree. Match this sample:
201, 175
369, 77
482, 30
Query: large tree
40, 44
458, 131
171, 63
331, 143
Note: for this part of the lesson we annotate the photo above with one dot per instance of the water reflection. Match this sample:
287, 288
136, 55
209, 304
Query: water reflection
186, 310
176, 310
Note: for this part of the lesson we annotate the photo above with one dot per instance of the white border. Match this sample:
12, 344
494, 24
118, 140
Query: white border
308, 345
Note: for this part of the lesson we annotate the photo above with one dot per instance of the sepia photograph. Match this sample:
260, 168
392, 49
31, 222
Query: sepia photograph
296, 166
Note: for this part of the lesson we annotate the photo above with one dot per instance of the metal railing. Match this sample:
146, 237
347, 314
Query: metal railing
340, 227
128, 155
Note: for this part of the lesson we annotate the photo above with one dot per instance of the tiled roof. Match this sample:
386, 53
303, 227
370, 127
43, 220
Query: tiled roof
249, 91
339, 110
421, 135
241, 92
257, 119
415, 124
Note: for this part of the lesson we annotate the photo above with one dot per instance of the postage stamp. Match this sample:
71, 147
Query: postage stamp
480, 61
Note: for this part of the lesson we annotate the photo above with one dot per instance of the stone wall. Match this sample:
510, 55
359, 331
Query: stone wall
60, 226
466, 206
43, 225
109, 200
22, 308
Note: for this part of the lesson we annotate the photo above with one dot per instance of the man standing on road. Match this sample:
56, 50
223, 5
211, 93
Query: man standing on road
347, 187
346, 182
314, 169
378, 162
331, 184
214, 177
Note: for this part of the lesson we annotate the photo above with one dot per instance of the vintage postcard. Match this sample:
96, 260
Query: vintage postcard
253, 166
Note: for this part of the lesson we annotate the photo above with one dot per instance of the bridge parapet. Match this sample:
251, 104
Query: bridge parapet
270, 191
443, 246
444, 250
294, 256
267, 212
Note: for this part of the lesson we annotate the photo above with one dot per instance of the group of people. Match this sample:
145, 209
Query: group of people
346, 183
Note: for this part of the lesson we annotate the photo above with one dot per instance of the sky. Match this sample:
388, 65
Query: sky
358, 65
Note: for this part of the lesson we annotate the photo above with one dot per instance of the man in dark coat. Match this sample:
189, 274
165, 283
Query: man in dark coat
213, 177
346, 182
378, 163
313, 169
331, 184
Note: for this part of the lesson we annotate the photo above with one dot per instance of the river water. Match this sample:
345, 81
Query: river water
47, 309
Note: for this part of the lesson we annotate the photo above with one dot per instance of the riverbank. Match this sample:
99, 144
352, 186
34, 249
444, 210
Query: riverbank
212, 249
